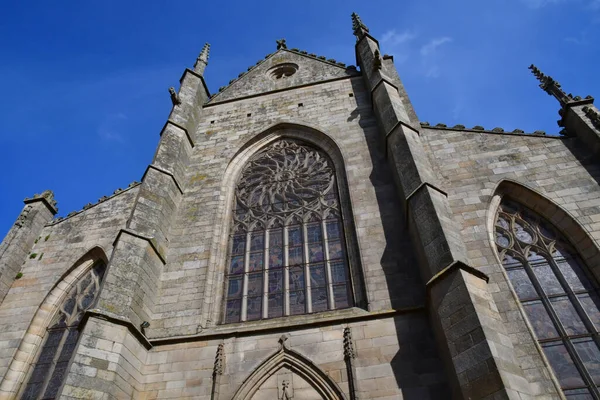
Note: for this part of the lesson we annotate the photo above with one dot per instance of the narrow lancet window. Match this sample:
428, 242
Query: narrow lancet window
287, 242
51, 367
558, 294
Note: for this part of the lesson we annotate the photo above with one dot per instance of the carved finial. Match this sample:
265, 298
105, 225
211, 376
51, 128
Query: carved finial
282, 341
550, 86
281, 44
174, 97
219, 361
202, 60
358, 27
348, 345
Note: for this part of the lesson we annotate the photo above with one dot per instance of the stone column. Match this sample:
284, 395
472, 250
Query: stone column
469, 330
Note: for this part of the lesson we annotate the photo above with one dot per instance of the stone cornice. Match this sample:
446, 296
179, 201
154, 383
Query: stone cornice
286, 324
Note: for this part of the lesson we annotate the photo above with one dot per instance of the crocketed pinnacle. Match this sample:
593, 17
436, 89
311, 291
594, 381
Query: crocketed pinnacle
358, 27
202, 60
550, 86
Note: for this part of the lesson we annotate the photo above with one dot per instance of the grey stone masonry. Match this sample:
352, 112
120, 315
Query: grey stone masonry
429, 312
24, 233
464, 316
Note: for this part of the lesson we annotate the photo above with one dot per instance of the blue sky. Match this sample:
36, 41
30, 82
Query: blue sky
85, 83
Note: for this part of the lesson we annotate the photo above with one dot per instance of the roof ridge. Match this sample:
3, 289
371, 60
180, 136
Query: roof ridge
481, 129
102, 199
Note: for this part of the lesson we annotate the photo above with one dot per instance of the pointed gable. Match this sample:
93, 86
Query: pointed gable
281, 70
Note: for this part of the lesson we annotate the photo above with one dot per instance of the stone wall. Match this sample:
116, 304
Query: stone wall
472, 165
56, 252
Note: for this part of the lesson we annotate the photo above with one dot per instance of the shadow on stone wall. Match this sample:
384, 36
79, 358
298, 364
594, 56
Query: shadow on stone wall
417, 366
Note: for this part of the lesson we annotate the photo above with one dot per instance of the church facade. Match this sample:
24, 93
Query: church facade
302, 235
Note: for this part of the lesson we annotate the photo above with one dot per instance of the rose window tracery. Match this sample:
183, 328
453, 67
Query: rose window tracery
286, 249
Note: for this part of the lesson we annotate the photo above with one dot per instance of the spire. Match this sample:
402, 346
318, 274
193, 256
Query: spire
358, 27
202, 60
553, 88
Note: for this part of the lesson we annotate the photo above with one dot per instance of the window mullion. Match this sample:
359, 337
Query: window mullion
561, 330
330, 296
307, 285
286, 272
245, 280
265, 308
59, 349
573, 298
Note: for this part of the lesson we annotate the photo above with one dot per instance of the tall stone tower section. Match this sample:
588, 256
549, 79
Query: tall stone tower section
457, 301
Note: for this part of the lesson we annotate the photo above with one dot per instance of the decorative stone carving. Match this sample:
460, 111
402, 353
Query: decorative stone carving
349, 356
296, 363
358, 28
377, 64
593, 115
174, 96
23, 216
281, 44
284, 390
219, 361
348, 344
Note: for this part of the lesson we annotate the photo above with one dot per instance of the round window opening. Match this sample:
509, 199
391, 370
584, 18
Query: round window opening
283, 71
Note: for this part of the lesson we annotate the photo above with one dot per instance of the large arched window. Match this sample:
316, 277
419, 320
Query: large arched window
55, 355
287, 253
558, 294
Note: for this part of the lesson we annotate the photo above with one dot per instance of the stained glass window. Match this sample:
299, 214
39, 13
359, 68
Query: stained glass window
558, 294
52, 365
287, 253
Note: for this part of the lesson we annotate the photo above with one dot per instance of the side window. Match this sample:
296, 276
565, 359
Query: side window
558, 294
287, 253
55, 354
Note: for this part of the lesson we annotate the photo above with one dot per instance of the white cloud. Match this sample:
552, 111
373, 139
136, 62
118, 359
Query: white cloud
110, 127
432, 46
393, 38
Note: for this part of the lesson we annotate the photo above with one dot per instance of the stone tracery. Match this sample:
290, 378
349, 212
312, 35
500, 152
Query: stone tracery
287, 253
558, 294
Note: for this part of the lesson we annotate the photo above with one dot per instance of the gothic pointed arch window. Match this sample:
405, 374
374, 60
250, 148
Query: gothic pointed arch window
287, 252
557, 292
51, 367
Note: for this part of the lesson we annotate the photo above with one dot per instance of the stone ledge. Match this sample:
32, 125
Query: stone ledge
286, 324
150, 240
189, 71
170, 174
187, 134
453, 267
117, 320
